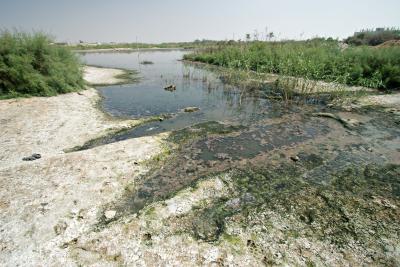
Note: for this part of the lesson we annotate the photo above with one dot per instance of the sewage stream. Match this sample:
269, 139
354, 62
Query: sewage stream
275, 154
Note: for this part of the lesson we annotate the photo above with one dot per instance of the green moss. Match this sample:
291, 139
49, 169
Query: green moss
232, 239
201, 130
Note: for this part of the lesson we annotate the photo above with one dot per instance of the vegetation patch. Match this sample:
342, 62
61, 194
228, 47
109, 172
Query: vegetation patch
316, 59
31, 66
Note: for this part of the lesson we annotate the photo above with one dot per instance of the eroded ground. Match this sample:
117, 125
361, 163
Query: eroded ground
291, 189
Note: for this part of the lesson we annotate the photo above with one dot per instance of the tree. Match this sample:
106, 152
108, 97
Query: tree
248, 38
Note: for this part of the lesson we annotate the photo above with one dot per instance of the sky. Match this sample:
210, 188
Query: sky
155, 21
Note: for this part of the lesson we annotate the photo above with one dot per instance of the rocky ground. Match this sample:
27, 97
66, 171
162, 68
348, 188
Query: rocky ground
296, 189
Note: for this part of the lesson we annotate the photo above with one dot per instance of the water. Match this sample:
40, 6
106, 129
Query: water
195, 87
256, 137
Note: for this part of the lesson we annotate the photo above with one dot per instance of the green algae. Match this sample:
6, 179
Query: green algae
201, 130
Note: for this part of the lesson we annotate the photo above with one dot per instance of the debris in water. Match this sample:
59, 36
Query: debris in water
170, 88
191, 109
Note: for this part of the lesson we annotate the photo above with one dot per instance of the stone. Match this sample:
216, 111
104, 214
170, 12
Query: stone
34, 156
110, 214
295, 158
191, 109
222, 156
233, 203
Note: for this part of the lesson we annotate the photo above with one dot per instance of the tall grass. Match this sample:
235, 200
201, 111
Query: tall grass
315, 60
31, 66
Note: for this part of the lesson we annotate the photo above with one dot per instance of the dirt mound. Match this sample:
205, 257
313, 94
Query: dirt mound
389, 43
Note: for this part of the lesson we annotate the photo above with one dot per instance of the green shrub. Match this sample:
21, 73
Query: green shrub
31, 66
314, 59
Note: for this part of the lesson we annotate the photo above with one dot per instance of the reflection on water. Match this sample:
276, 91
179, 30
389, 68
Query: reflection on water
195, 87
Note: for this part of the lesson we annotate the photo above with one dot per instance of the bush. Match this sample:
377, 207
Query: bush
314, 59
31, 66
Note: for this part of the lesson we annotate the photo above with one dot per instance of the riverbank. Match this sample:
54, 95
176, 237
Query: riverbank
50, 201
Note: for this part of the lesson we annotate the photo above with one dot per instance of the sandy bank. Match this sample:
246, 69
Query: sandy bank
103, 76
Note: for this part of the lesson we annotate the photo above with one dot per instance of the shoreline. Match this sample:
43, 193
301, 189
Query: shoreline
102, 76
128, 50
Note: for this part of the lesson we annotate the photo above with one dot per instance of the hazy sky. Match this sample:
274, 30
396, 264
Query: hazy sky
186, 20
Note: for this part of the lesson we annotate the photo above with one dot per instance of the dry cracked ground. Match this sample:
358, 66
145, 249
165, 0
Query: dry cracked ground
306, 200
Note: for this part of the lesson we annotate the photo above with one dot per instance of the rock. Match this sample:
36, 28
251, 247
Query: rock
191, 109
34, 156
295, 158
233, 203
160, 119
222, 156
110, 214
147, 237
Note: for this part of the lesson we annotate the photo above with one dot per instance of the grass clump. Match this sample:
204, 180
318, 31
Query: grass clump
317, 59
31, 66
